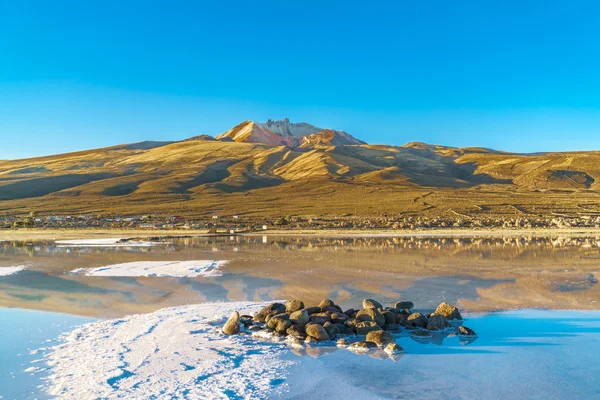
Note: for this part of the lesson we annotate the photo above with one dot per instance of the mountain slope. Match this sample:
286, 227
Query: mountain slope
262, 172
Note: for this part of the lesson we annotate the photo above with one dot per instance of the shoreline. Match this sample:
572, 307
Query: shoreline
83, 233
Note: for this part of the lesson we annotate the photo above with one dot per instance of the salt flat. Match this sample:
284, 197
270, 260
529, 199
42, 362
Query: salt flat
179, 269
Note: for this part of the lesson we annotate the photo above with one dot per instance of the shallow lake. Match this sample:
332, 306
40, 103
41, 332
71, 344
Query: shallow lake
521, 354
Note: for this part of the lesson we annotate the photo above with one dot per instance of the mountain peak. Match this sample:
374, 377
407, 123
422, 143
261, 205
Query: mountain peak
287, 133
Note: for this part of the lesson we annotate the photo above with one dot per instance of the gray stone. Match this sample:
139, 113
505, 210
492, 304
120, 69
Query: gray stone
404, 305
371, 314
326, 302
449, 311
370, 303
271, 309
437, 322
380, 338
293, 305
343, 342
319, 318
338, 318
362, 346
416, 320
313, 310
232, 326
299, 317
364, 327
317, 332
297, 332
390, 317
331, 330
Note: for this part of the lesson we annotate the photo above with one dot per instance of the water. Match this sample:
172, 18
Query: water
25, 336
519, 354
478, 273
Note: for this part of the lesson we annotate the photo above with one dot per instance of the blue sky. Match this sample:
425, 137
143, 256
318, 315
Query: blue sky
513, 75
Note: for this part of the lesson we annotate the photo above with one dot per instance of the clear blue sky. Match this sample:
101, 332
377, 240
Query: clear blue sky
514, 75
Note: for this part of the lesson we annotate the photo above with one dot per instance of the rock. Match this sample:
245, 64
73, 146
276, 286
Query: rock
437, 322
391, 327
280, 316
449, 311
404, 305
364, 327
463, 330
255, 328
371, 314
329, 309
343, 343
319, 318
297, 332
299, 317
271, 309
293, 305
393, 349
232, 326
325, 303
390, 317
380, 338
401, 317
416, 320
317, 332
313, 310
362, 346
339, 318
246, 320
351, 312
331, 330
370, 303
340, 327
279, 325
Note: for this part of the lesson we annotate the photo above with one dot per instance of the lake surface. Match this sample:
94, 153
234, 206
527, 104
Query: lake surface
478, 274
521, 354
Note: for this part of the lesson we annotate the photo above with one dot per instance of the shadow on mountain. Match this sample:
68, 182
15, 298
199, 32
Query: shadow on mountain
38, 187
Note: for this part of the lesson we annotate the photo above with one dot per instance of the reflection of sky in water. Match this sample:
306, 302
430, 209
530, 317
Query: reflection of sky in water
22, 331
481, 273
519, 355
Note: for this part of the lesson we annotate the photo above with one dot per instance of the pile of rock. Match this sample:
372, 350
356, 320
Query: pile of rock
328, 321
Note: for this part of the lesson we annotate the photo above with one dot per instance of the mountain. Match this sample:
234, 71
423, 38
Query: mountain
281, 168
286, 133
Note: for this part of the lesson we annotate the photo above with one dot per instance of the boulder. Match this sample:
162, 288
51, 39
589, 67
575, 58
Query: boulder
390, 317
437, 322
280, 316
317, 332
319, 318
463, 330
296, 332
449, 311
299, 317
325, 303
329, 309
404, 305
370, 303
338, 318
246, 320
293, 305
271, 309
364, 327
351, 312
313, 310
391, 327
371, 314
380, 338
401, 317
232, 326
416, 320
393, 349
331, 330
340, 327
279, 325
343, 342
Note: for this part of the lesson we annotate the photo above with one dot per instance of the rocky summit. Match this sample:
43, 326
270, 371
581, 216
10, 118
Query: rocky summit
373, 327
